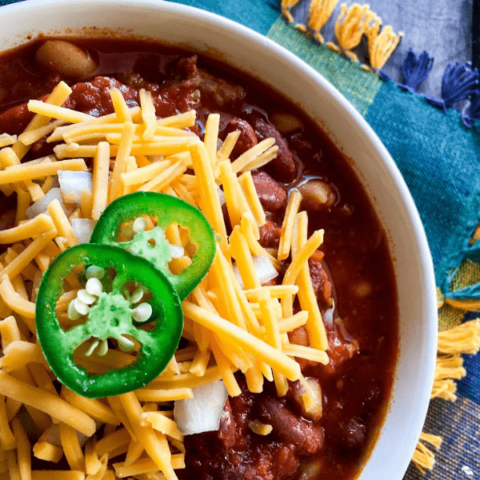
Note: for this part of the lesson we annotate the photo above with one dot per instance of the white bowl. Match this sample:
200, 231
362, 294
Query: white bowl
253, 54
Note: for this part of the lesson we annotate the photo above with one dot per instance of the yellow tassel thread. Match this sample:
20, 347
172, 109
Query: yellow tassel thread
424, 458
382, 44
464, 338
449, 367
468, 305
444, 389
286, 6
319, 14
440, 299
350, 26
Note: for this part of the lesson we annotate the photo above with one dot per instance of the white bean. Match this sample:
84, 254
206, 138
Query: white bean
66, 59
317, 195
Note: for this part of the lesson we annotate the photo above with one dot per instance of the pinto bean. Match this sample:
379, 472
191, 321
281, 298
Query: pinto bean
307, 437
283, 166
65, 58
286, 123
271, 195
317, 195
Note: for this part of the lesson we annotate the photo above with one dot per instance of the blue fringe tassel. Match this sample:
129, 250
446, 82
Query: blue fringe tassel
459, 82
274, 3
416, 70
471, 112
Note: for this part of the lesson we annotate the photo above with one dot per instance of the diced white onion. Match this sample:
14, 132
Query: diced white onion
221, 196
201, 413
177, 251
72, 183
83, 228
52, 435
264, 268
41, 206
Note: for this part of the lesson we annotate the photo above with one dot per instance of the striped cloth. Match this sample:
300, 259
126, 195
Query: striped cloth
439, 158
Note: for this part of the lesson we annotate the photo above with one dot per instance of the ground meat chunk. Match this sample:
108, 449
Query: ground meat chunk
246, 140
186, 67
307, 437
283, 166
321, 283
217, 91
271, 195
270, 234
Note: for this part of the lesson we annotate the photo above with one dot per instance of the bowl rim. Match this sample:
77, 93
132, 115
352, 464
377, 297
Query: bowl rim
277, 51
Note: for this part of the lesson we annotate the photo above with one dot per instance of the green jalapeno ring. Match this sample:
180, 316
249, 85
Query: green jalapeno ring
168, 210
157, 346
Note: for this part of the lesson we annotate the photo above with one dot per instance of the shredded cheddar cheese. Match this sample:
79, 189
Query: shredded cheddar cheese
232, 322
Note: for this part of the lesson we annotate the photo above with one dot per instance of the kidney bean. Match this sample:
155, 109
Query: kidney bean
307, 437
271, 195
247, 138
283, 166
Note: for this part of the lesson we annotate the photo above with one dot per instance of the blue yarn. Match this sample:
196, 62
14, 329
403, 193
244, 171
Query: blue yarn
471, 112
459, 83
471, 292
273, 3
416, 70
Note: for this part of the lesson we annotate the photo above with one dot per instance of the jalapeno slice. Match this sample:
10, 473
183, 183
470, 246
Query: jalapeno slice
152, 244
110, 317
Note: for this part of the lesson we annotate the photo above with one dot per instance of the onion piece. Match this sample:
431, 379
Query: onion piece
203, 411
42, 205
83, 228
264, 267
72, 184
221, 196
52, 435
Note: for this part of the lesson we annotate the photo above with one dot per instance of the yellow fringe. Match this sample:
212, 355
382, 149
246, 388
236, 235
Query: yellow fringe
319, 14
468, 305
350, 26
381, 45
440, 299
424, 458
444, 389
449, 367
464, 338
286, 5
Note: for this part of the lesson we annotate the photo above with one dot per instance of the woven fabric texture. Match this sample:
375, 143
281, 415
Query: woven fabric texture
439, 159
